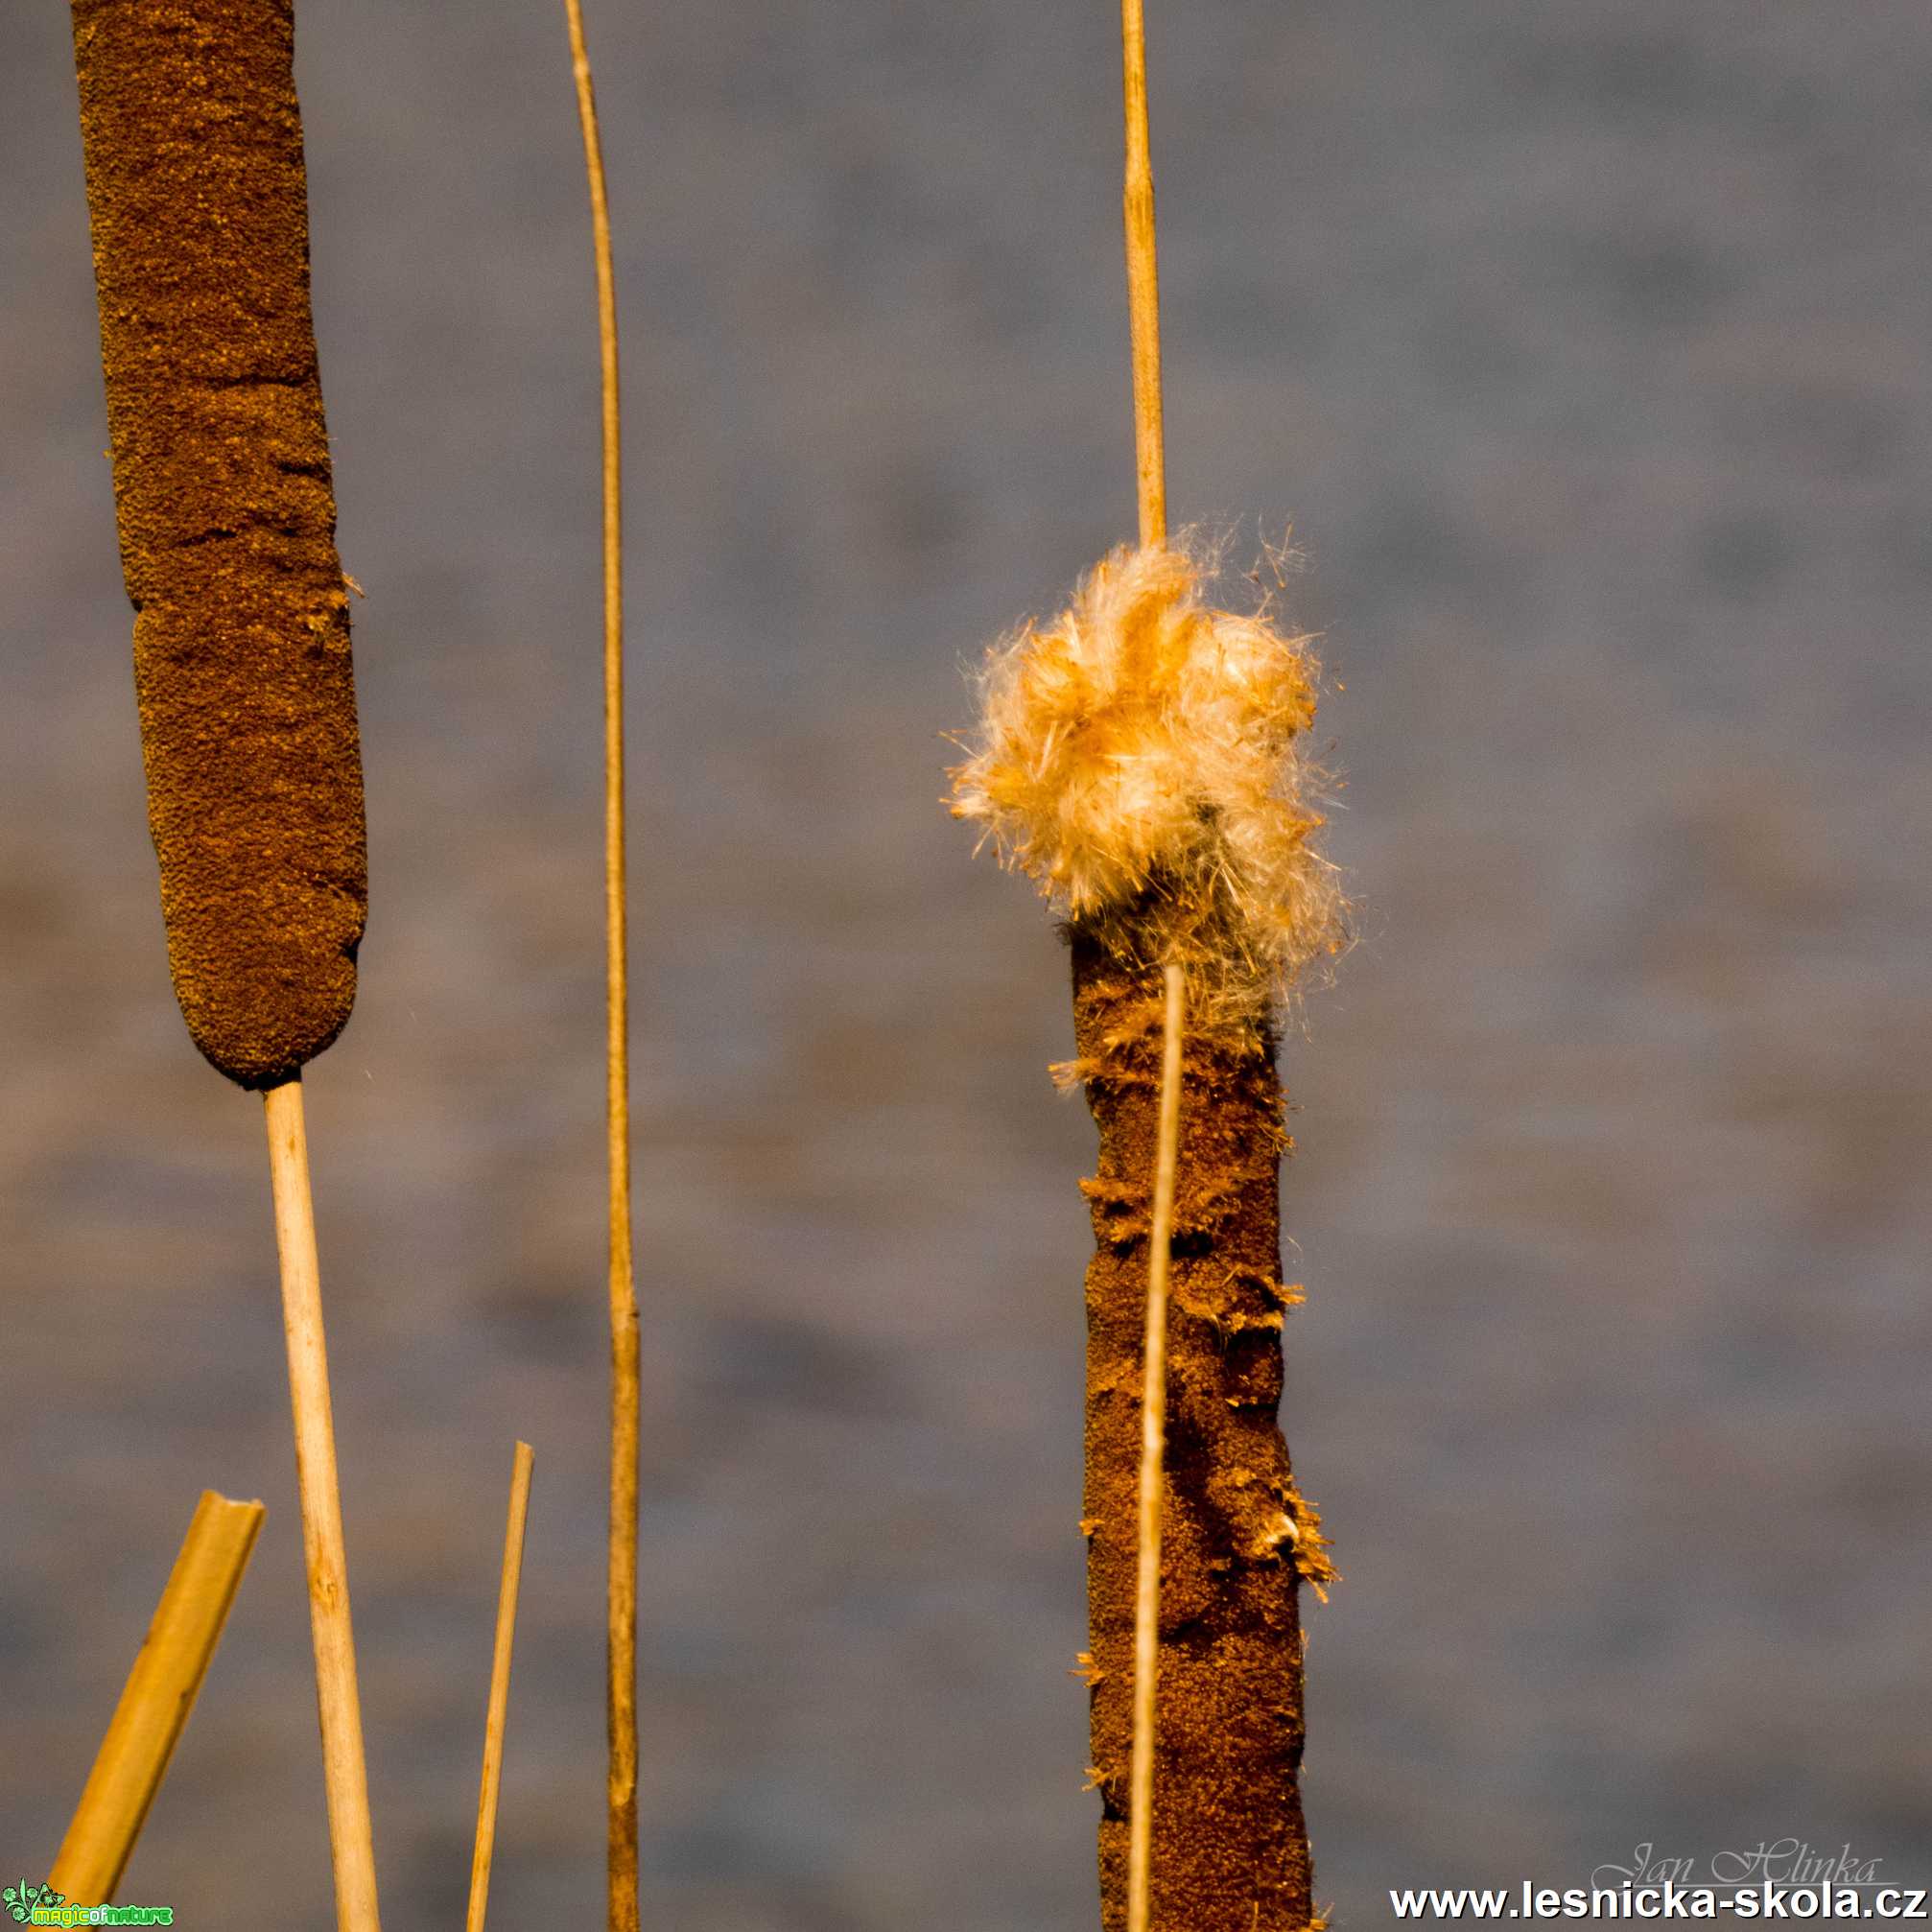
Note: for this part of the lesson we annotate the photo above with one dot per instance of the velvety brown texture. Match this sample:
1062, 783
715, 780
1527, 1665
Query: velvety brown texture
1230, 1851
223, 491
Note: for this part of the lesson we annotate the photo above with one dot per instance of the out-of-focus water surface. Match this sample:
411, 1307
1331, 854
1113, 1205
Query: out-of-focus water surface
1584, 346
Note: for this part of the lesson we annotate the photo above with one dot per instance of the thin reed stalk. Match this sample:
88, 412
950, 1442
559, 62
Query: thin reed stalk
1153, 1455
484, 1850
621, 1677
339, 1706
1143, 282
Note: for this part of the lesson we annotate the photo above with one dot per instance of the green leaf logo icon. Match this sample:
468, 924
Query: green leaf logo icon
21, 1899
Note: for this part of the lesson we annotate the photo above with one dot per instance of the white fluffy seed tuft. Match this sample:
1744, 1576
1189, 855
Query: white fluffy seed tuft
1142, 760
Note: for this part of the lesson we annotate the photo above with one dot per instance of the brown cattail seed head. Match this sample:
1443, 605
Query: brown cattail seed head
227, 512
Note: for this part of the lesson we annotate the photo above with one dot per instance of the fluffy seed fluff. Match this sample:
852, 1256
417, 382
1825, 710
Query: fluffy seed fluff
1142, 759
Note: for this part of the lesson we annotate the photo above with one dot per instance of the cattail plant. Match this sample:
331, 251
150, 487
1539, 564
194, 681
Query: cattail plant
225, 501
1143, 759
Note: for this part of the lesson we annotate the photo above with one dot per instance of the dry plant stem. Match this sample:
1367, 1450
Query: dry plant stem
351, 1836
621, 1663
1153, 1453
1229, 1850
499, 1685
1143, 282
160, 1693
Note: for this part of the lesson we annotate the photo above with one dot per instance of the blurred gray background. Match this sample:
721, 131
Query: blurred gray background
1586, 347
